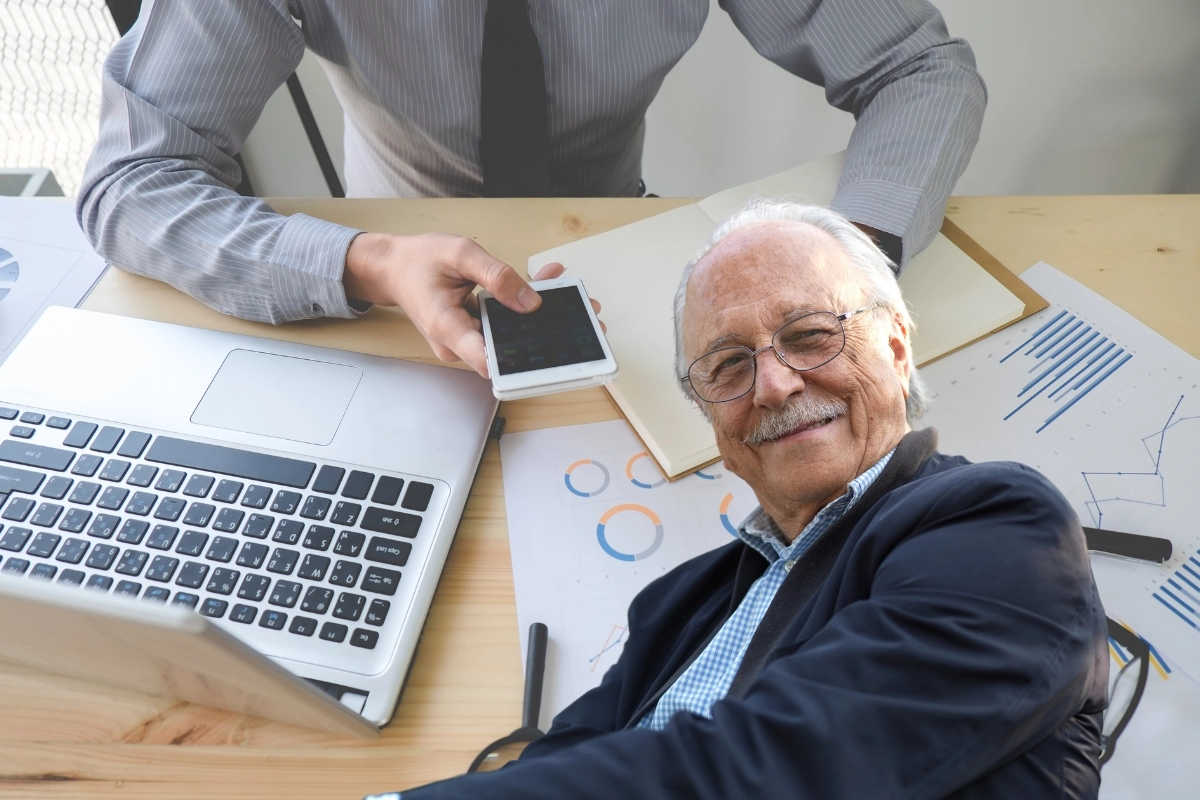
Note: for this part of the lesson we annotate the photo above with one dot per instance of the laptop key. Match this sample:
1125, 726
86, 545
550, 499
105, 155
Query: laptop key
349, 606
8, 413
258, 526
228, 520
198, 486
100, 582
345, 573
349, 543
132, 531
58, 423
46, 515
317, 600
141, 503
345, 513
254, 587
285, 593
256, 496
75, 520
212, 607
185, 599
87, 465
112, 498
313, 567
243, 613
227, 491
333, 632
275, 620
396, 523
33, 455
85, 492
131, 563
192, 543
162, 537
20, 480
14, 539
286, 502
18, 509
288, 532
387, 491
328, 479
128, 588
162, 569
114, 470
319, 537
80, 435
364, 638
32, 418
192, 574
380, 581
231, 461
303, 626
315, 507
170, 508
15, 565
73, 550
221, 549
377, 613
199, 514
107, 439
22, 431
223, 581
388, 551
157, 594
57, 487
142, 476
252, 555
283, 561
43, 545
44, 571
358, 485
102, 557
170, 480
134, 444
71, 577
104, 526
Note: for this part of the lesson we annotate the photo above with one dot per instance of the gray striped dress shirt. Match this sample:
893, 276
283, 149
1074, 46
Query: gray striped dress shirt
183, 89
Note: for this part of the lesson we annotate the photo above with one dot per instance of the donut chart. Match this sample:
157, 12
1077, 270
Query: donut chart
9, 272
641, 484
730, 528
630, 507
579, 492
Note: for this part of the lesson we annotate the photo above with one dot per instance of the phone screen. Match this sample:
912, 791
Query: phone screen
559, 333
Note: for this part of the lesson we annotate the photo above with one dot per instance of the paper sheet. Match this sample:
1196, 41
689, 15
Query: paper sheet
45, 260
591, 521
1110, 412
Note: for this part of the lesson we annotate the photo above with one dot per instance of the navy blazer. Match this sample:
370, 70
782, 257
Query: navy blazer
957, 649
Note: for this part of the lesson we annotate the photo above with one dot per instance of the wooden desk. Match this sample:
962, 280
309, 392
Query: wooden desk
64, 738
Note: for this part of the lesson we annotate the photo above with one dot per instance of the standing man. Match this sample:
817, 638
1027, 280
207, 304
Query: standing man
497, 98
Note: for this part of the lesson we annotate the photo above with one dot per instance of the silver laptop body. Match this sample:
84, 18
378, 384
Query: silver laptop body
300, 499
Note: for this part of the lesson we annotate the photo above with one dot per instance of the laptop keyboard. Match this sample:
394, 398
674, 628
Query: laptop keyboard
281, 551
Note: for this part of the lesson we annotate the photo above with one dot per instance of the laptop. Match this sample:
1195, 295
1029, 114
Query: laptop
239, 522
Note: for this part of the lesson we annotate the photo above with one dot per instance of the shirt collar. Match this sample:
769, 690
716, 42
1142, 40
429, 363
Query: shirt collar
760, 531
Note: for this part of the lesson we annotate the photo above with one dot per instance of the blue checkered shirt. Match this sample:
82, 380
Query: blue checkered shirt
709, 677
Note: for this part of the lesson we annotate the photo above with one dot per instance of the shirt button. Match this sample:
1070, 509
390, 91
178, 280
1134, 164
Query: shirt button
787, 567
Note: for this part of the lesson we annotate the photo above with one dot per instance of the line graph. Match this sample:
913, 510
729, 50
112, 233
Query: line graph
1071, 358
1144, 487
617, 631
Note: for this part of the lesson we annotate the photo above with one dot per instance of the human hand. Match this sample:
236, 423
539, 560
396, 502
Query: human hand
431, 277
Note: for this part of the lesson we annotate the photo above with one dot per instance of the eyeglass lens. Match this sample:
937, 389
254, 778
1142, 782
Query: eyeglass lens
804, 343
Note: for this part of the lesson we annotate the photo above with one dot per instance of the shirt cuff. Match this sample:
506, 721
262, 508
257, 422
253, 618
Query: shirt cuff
888, 207
388, 796
308, 261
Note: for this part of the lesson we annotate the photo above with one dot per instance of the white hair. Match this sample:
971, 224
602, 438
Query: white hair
875, 269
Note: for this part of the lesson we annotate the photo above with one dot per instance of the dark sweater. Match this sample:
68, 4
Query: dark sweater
957, 649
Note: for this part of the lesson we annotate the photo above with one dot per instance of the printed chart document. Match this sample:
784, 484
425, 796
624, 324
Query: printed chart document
1110, 412
45, 260
591, 520
634, 272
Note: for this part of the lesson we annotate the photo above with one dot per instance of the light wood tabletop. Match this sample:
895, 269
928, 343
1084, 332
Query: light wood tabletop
66, 738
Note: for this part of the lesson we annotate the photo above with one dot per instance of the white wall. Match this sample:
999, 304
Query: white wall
1085, 96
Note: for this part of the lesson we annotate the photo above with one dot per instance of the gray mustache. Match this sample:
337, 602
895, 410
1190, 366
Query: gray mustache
803, 410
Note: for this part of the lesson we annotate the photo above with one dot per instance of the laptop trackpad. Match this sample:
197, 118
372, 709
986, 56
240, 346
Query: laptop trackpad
272, 395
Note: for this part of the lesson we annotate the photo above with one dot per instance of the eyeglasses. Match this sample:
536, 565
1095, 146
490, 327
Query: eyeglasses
1126, 689
807, 342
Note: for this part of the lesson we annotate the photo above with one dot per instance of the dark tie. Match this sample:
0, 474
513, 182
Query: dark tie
514, 142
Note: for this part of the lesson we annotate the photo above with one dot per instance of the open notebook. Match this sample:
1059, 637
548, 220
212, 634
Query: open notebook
635, 270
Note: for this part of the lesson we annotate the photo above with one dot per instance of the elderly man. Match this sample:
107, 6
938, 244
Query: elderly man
894, 622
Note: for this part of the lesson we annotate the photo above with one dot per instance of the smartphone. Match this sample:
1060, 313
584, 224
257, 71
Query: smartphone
554, 349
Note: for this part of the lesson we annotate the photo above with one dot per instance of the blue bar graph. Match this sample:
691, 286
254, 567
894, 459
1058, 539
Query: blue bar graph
1067, 359
1181, 592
